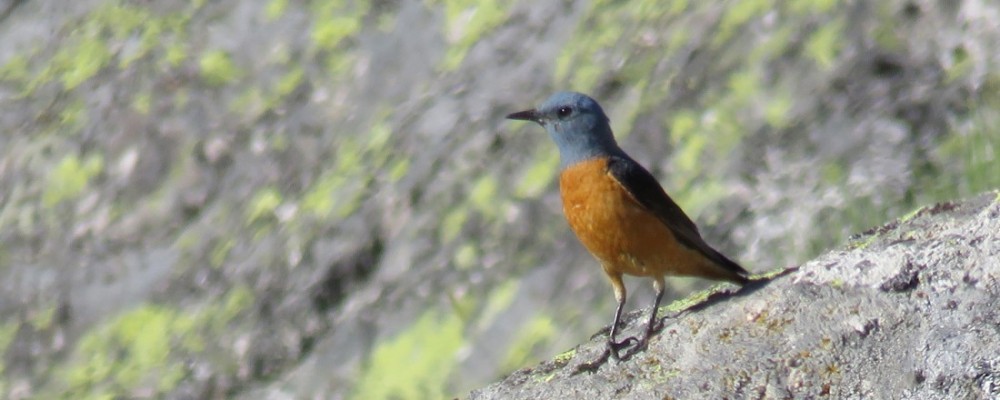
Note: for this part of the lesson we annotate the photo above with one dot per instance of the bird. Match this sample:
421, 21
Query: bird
620, 213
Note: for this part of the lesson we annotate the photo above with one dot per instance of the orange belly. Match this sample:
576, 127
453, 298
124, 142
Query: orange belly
618, 231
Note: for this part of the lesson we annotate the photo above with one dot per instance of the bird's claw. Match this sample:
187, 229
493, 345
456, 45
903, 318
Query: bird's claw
640, 345
615, 347
612, 350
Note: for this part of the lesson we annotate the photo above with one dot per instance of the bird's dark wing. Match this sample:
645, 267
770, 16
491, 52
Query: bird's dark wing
647, 192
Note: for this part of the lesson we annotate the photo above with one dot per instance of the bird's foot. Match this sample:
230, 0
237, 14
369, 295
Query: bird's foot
613, 350
640, 345
616, 347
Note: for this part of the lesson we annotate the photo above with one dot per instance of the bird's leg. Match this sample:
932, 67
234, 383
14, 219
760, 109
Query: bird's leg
615, 346
654, 324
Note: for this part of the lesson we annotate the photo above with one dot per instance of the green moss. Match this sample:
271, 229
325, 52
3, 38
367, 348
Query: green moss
810, 6
500, 299
466, 22
600, 30
175, 54
263, 204
328, 33
675, 7
700, 140
73, 117
689, 144
738, 14
678, 39
628, 108
122, 21
694, 299
584, 72
217, 68
250, 102
7, 331
776, 42
319, 199
143, 349
151, 37
769, 274
279, 142
564, 357
275, 9
823, 46
378, 137
95, 40
15, 70
697, 198
975, 154
386, 22
605, 29
524, 348
237, 300
665, 375
776, 111
69, 178
833, 173
42, 319
452, 223
290, 81
913, 214
181, 98
337, 193
683, 124
220, 252
960, 66
483, 195
539, 175
128, 352
334, 21
79, 60
466, 257
416, 363
399, 169
338, 63
141, 102
78, 63
744, 85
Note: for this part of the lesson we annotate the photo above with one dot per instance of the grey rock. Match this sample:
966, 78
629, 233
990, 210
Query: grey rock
908, 310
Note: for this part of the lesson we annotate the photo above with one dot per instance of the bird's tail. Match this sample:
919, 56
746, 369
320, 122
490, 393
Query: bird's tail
733, 271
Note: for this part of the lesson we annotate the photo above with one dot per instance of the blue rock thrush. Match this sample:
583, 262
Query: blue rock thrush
619, 211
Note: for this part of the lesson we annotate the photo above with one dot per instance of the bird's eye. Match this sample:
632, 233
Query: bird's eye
564, 112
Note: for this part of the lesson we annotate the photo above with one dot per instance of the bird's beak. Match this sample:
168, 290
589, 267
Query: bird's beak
526, 115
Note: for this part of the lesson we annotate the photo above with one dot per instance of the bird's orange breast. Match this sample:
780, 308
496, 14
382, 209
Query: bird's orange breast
617, 230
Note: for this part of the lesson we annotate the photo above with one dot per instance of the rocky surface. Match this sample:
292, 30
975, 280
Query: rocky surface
908, 310
321, 199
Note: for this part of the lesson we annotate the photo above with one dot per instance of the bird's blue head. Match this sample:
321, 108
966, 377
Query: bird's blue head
577, 124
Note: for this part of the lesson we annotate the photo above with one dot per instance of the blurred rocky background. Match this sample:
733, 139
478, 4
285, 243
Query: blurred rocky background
285, 199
